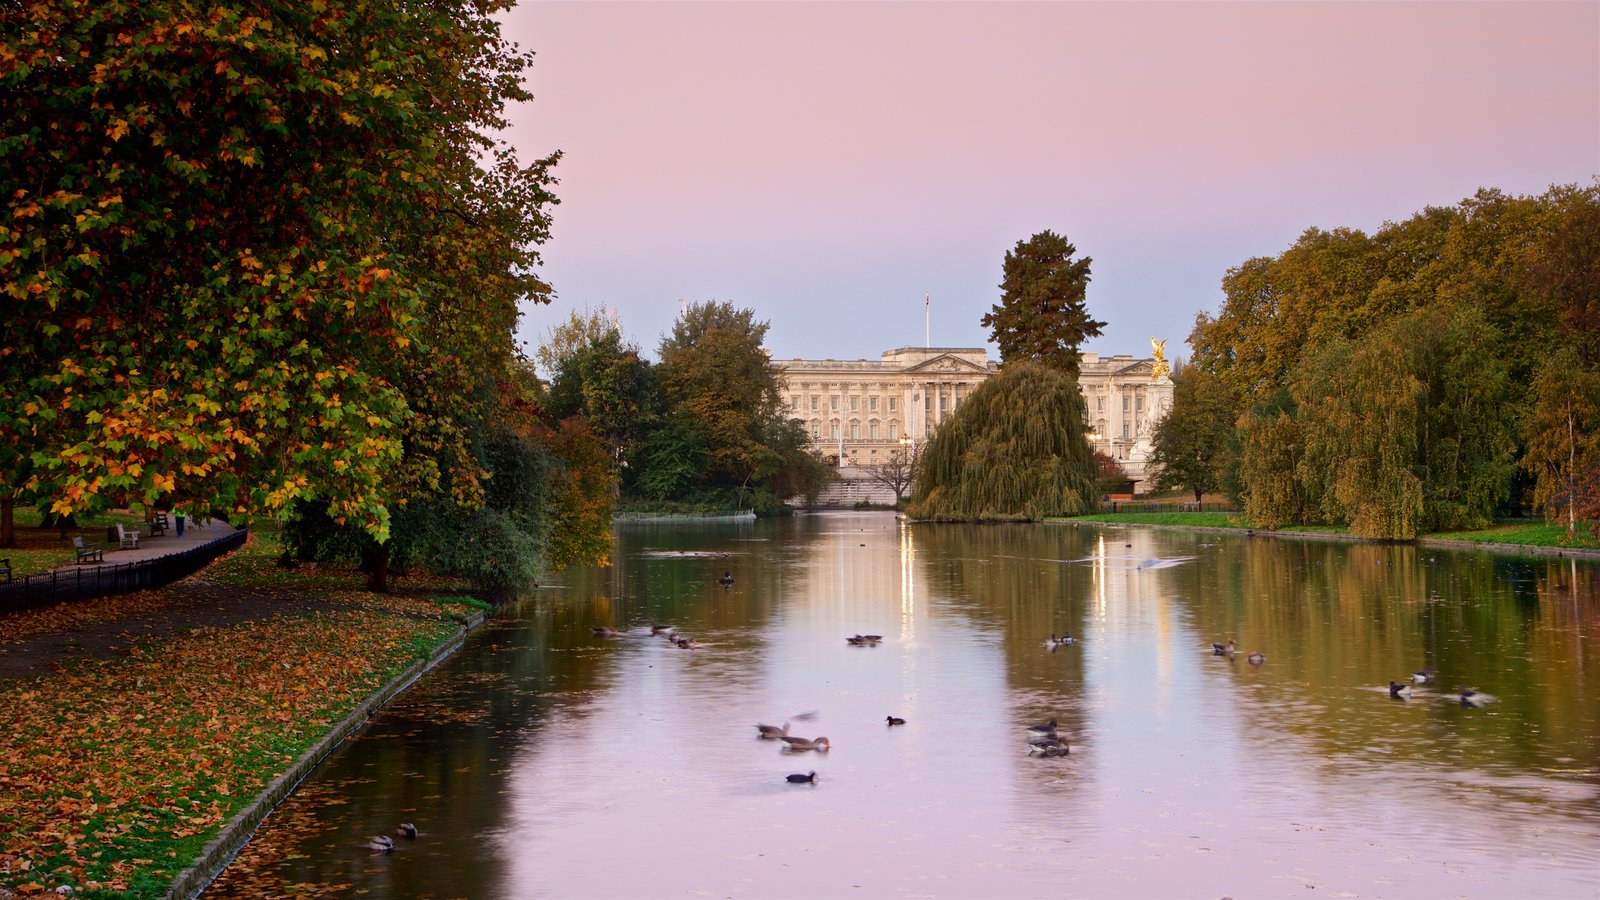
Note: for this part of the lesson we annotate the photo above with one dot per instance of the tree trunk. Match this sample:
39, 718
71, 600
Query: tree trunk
375, 562
1197, 495
8, 529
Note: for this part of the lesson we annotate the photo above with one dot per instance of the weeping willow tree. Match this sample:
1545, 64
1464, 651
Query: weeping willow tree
1015, 449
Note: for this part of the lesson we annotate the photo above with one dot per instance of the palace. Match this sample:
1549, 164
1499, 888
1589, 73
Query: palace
861, 412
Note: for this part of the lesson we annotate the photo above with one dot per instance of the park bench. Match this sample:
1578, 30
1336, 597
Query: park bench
127, 538
87, 552
5, 570
1188, 507
159, 524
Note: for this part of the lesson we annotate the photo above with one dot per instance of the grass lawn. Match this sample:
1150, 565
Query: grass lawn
1527, 534
42, 549
1189, 519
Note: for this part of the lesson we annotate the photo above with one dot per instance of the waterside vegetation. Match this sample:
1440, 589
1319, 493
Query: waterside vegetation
1427, 378
125, 750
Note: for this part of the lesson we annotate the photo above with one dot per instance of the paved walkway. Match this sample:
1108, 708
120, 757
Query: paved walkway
154, 547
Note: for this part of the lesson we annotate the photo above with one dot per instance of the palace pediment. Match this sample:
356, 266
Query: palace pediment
946, 364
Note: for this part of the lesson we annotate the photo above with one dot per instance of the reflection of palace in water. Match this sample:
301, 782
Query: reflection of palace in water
862, 411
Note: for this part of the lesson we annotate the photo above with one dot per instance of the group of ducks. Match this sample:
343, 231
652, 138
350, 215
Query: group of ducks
385, 844
1397, 689
1402, 691
864, 640
1255, 657
800, 744
682, 642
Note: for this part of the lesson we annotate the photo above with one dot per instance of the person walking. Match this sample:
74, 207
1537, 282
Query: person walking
178, 519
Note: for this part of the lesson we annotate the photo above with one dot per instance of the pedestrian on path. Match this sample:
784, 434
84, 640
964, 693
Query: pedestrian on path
178, 518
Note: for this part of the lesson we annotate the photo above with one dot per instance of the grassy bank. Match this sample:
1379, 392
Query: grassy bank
116, 767
1521, 534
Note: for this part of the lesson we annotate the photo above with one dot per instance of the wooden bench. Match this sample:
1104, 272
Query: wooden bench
127, 538
1188, 507
159, 524
5, 570
88, 552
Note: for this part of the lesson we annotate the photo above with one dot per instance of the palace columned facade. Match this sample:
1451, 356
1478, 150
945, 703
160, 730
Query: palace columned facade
860, 412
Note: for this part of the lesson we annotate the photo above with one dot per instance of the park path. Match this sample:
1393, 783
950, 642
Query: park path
155, 546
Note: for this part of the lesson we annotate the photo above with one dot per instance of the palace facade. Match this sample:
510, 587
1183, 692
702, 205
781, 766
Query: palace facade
861, 412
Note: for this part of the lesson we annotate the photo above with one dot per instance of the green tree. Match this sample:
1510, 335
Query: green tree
1015, 449
1043, 313
716, 376
1192, 442
1358, 423
1561, 427
1270, 451
616, 390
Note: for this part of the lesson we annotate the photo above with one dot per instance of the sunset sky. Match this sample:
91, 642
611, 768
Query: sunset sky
828, 163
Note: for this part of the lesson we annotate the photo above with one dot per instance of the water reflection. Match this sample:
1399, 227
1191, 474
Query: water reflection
545, 761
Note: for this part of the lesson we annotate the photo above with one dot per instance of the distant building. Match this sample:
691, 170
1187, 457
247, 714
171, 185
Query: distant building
859, 412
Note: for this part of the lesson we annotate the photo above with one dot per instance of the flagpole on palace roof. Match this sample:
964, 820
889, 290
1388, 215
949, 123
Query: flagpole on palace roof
925, 332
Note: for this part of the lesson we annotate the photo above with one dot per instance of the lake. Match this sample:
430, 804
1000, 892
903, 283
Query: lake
544, 761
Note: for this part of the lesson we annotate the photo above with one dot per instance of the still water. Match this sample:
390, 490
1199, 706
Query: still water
542, 761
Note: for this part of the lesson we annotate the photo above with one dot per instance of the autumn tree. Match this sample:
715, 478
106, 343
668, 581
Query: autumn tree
578, 330
1043, 314
225, 236
1561, 427
1192, 442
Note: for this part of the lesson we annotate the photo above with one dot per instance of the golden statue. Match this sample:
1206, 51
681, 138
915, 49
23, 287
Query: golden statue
1161, 367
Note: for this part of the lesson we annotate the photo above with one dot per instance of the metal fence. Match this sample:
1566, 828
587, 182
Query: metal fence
83, 583
1165, 506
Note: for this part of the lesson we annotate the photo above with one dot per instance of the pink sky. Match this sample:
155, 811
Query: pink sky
828, 163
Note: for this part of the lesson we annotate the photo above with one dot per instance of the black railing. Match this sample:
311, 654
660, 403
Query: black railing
82, 583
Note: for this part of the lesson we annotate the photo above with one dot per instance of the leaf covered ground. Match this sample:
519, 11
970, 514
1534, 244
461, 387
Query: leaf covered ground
132, 728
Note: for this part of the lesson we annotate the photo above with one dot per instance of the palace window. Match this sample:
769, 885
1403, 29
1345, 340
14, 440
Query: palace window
1138, 403
834, 401
1124, 430
872, 404
855, 431
1124, 402
834, 429
1099, 402
872, 431
894, 431
855, 404
893, 403
815, 431
813, 402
